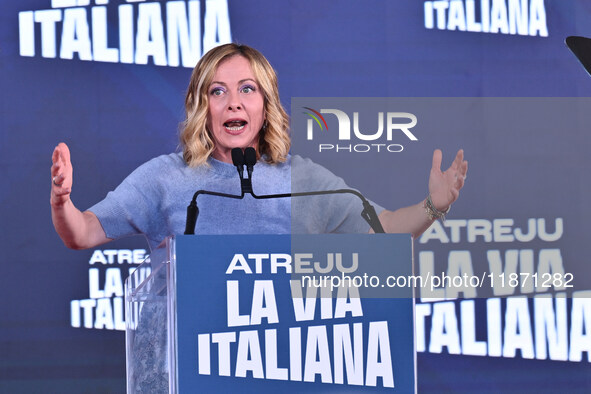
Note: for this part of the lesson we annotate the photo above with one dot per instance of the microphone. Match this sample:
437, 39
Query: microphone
238, 161
193, 210
239, 158
249, 158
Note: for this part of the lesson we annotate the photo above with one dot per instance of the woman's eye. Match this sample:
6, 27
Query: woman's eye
217, 92
247, 89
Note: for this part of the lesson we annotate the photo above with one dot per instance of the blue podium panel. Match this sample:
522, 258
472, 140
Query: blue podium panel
246, 324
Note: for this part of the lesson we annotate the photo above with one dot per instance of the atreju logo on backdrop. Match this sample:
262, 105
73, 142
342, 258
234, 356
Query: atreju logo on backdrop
390, 125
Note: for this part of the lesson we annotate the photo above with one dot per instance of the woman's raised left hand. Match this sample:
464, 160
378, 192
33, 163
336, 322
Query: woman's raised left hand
445, 186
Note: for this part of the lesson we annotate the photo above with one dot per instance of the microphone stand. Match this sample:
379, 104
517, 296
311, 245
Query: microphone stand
249, 158
245, 186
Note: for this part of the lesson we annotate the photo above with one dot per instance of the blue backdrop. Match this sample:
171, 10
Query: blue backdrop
101, 76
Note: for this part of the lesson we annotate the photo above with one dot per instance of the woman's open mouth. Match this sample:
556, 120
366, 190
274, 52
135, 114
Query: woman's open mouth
235, 125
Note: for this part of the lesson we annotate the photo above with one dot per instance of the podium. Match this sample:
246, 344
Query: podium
269, 313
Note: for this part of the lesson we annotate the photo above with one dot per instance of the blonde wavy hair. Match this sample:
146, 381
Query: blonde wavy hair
197, 142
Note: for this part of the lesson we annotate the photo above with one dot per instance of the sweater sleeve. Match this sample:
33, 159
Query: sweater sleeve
133, 207
334, 213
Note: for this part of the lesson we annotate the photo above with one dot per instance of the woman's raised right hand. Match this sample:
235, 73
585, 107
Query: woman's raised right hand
61, 175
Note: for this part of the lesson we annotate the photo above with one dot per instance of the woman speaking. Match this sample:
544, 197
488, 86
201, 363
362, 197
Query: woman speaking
232, 101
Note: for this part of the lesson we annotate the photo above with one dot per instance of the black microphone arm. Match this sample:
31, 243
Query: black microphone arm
239, 159
249, 158
193, 210
368, 213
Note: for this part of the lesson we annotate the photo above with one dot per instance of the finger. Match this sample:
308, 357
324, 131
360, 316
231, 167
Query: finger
57, 161
61, 154
65, 151
56, 155
58, 180
464, 168
61, 167
55, 169
437, 156
457, 163
62, 192
58, 167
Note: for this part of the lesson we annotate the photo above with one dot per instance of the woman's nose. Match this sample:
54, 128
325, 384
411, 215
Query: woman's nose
234, 103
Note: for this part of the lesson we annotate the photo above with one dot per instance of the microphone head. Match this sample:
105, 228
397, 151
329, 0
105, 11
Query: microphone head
237, 157
250, 157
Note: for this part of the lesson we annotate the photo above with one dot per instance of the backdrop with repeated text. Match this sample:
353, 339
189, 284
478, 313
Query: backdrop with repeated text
116, 114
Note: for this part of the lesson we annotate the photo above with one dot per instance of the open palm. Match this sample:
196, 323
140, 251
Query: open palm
445, 186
